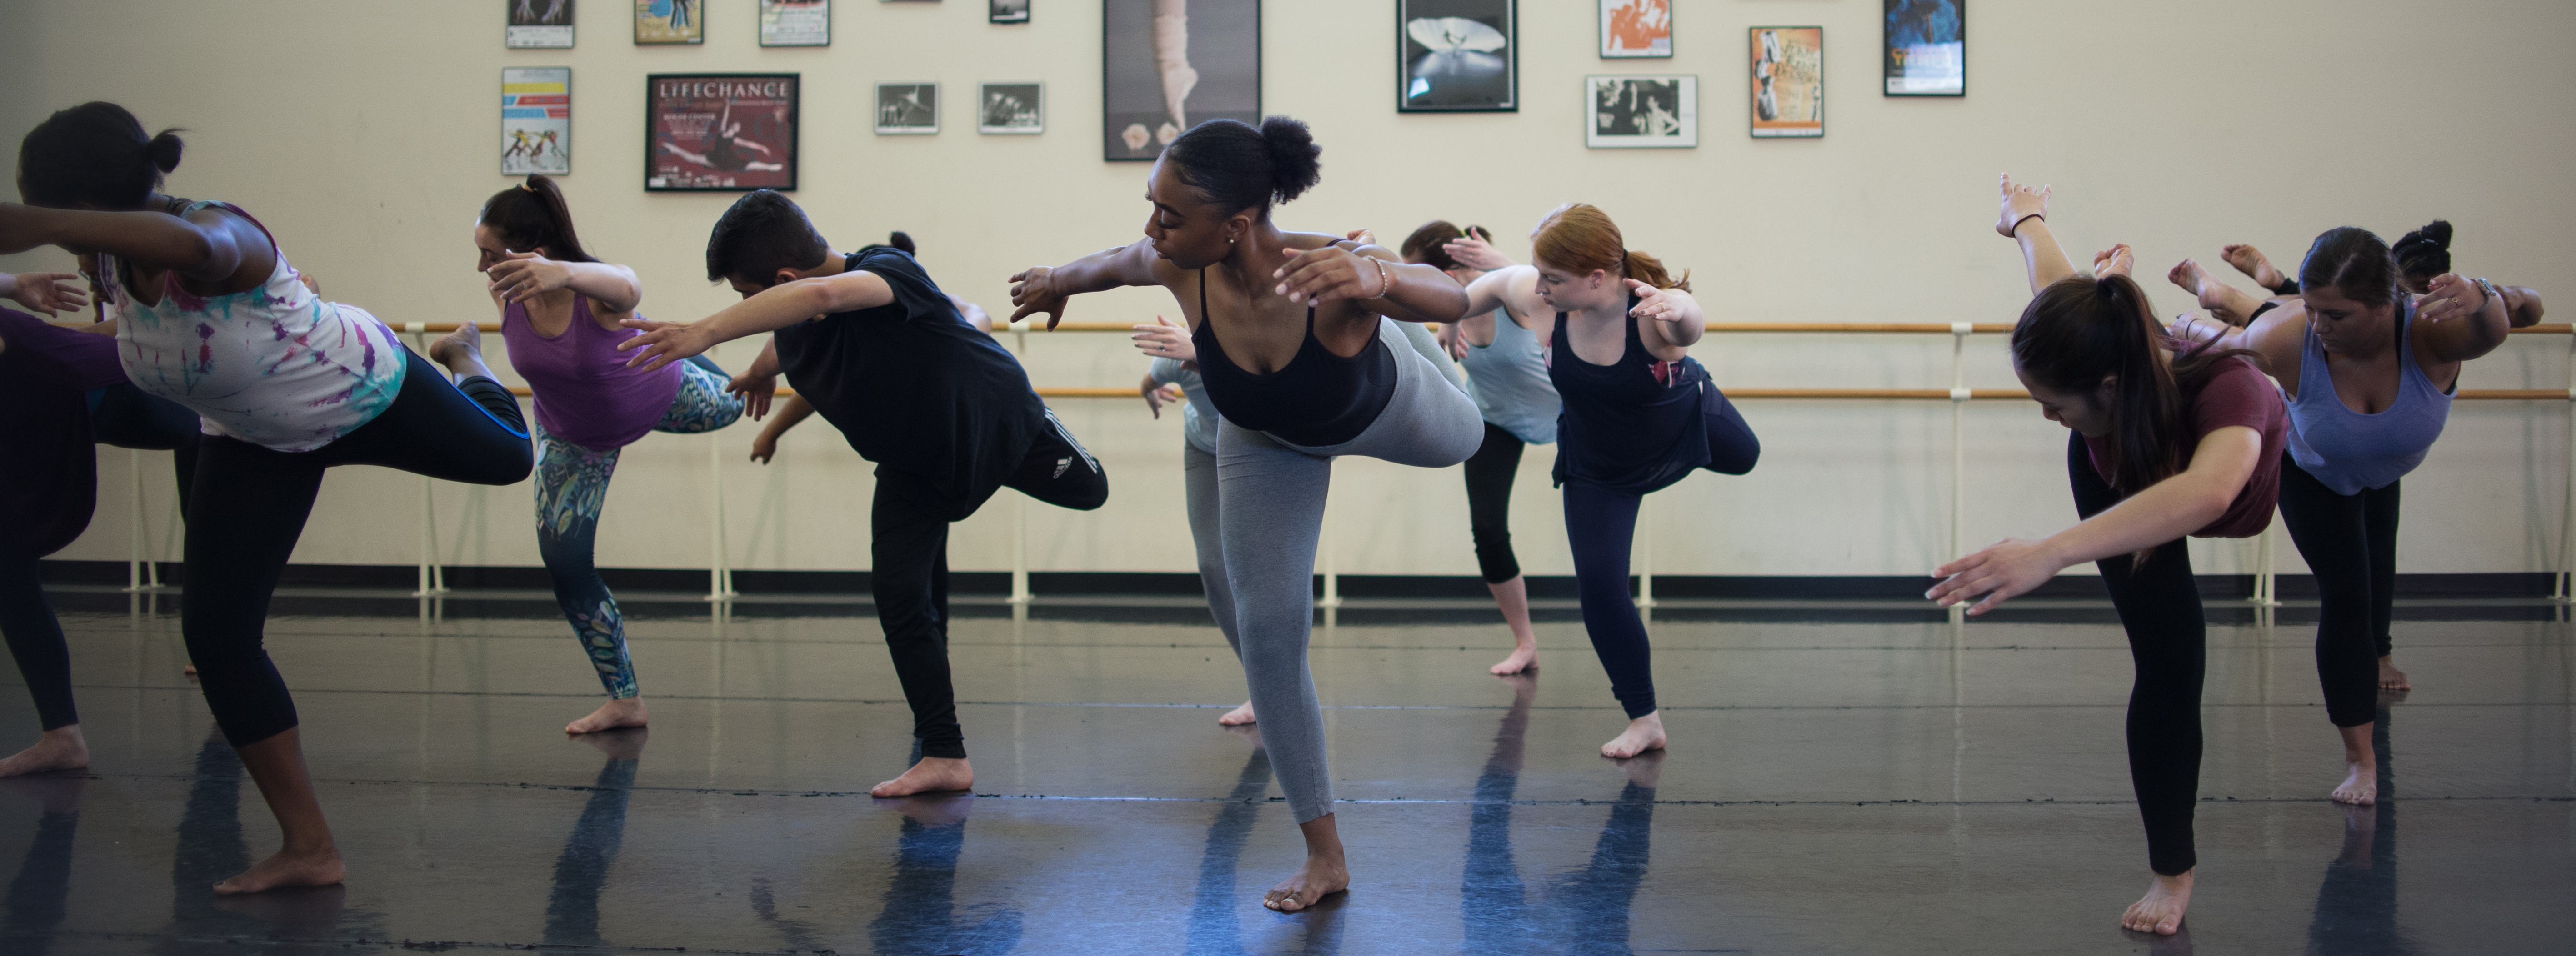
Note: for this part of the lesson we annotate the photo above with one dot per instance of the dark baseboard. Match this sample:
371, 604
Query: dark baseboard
1165, 584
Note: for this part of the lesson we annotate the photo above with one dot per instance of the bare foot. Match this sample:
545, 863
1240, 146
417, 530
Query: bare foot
1524, 658
1238, 716
2160, 911
2250, 260
625, 712
2193, 279
1322, 876
315, 868
2390, 678
461, 351
59, 749
2360, 787
1643, 734
2020, 202
931, 775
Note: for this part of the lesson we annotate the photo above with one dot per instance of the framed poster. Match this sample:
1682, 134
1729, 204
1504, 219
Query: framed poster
1641, 112
1788, 81
1008, 11
1927, 47
539, 23
907, 109
1456, 56
1636, 28
1010, 108
720, 131
669, 21
536, 120
1168, 64
795, 22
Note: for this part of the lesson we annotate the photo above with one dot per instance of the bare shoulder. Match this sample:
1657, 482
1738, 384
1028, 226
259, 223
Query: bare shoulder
2279, 333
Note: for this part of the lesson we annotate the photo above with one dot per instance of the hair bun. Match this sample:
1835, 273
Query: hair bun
900, 240
2438, 232
1296, 163
164, 150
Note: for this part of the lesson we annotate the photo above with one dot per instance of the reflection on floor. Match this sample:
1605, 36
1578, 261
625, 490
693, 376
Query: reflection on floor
1840, 781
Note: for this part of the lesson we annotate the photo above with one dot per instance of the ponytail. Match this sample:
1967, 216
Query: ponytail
1650, 270
2079, 331
534, 216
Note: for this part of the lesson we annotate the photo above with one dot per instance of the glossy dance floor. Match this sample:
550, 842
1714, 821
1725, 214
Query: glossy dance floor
1840, 781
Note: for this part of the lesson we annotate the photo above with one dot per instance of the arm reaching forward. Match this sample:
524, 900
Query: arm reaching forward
775, 308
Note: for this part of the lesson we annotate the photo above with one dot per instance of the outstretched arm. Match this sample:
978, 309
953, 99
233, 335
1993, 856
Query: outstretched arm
775, 308
2463, 319
792, 410
208, 247
1374, 277
1677, 316
523, 275
2525, 303
2169, 509
2025, 220
46, 292
1045, 290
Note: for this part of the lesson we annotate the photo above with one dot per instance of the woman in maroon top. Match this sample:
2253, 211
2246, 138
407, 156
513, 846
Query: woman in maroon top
2166, 446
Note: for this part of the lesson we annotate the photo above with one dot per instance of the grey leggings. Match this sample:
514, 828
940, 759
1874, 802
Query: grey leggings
1270, 512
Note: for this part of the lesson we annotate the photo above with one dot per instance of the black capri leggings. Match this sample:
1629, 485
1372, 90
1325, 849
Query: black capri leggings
1489, 503
249, 505
2350, 543
2159, 605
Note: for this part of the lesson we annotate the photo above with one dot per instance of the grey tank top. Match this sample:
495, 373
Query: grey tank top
1509, 382
2349, 451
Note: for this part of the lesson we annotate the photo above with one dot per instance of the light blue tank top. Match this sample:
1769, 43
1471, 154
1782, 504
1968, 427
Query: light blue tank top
1509, 381
2349, 451
1199, 418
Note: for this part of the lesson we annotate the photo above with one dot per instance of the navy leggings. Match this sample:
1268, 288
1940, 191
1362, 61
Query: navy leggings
1489, 503
249, 504
2350, 542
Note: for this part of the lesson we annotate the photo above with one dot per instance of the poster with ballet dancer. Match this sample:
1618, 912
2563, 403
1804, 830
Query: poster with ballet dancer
720, 131
1166, 65
538, 24
907, 109
670, 21
536, 120
1927, 47
1788, 81
1456, 56
1010, 108
1636, 28
1642, 112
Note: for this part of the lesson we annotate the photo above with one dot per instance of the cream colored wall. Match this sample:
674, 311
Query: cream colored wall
364, 133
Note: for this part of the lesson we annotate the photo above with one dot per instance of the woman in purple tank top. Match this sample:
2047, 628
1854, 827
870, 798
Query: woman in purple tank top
559, 313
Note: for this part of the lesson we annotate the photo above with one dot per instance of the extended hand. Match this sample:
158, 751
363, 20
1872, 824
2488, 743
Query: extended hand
521, 276
1034, 292
1165, 340
1652, 303
2020, 202
2004, 570
2114, 261
662, 343
756, 392
1317, 276
1156, 395
2451, 297
763, 446
49, 292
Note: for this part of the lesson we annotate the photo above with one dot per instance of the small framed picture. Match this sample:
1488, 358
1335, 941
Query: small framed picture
1636, 28
1010, 108
539, 23
669, 21
1008, 11
907, 109
795, 22
720, 131
1166, 66
1927, 47
1641, 112
1456, 56
536, 120
1788, 81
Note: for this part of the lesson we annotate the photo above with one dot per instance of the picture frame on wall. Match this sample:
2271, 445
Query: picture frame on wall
1788, 82
1641, 112
536, 120
670, 21
1007, 11
1010, 109
1636, 29
1926, 47
1457, 56
907, 109
1167, 65
538, 24
795, 22
720, 132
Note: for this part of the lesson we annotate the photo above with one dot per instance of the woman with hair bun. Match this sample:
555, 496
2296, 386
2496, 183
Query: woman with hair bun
2168, 443
1295, 352
2421, 256
209, 315
1639, 414
560, 310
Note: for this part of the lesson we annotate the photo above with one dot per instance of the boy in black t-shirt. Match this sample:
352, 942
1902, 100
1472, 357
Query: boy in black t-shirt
946, 414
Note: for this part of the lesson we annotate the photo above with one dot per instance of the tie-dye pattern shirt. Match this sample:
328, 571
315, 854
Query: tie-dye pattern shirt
274, 365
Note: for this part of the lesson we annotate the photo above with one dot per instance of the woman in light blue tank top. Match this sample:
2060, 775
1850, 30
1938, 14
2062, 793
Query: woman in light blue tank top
2369, 370
1507, 375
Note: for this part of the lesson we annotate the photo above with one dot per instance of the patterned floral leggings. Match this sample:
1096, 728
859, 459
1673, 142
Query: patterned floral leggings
572, 484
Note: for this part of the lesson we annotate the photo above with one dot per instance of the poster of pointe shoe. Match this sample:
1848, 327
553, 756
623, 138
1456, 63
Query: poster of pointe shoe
1166, 65
1457, 56
539, 24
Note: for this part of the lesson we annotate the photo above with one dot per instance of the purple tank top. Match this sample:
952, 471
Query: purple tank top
585, 394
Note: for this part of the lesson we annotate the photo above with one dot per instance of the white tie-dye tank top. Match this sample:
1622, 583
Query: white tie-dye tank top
274, 366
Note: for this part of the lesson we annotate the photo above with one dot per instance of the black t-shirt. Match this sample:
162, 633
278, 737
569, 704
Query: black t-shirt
913, 387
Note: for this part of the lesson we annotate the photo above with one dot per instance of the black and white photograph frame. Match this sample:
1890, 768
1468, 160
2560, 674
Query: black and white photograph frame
907, 109
1007, 11
1457, 56
1010, 108
1156, 82
1923, 45
1629, 111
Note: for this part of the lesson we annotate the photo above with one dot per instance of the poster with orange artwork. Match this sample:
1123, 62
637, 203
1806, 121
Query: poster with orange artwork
1636, 28
1788, 81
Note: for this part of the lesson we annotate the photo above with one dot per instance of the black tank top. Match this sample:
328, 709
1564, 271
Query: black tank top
1317, 399
1632, 426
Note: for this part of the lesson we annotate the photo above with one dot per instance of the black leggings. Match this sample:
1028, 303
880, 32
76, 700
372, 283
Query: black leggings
250, 503
126, 418
2350, 543
2159, 605
909, 570
1489, 503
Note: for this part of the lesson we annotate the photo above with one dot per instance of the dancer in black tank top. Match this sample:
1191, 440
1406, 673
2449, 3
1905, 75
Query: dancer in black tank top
1317, 399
